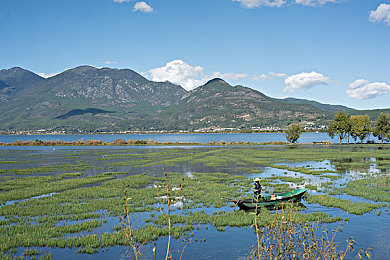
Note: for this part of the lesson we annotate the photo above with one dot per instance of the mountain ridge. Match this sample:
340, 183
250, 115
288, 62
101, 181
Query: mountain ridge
326, 107
234, 106
92, 99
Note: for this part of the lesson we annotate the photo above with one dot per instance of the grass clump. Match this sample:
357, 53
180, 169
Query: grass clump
302, 170
376, 188
357, 208
31, 252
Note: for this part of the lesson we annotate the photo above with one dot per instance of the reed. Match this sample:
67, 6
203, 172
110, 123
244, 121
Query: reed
166, 202
287, 237
133, 246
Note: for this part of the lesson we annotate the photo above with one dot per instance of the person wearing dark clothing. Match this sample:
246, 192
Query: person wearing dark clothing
257, 189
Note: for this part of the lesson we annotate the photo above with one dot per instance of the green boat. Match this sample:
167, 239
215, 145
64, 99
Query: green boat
267, 202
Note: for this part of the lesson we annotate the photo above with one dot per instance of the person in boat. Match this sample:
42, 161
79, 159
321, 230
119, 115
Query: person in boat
257, 189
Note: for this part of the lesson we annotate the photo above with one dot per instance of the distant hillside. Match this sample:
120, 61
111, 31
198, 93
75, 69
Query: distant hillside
92, 99
324, 107
18, 78
219, 105
3, 85
373, 114
4, 90
110, 87
56, 102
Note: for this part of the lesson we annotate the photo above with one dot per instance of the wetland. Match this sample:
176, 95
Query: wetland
62, 203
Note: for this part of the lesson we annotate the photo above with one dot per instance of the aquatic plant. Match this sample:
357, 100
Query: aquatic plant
376, 188
133, 246
166, 201
357, 208
287, 237
302, 170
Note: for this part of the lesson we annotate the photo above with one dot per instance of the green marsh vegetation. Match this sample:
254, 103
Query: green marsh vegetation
357, 208
87, 198
45, 169
375, 188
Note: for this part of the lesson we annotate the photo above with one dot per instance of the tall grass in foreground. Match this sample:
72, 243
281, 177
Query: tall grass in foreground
287, 237
133, 246
170, 196
167, 196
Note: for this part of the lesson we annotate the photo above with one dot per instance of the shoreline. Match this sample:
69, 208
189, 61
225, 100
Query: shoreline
155, 132
135, 143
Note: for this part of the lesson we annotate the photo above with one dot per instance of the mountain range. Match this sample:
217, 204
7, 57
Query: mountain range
89, 99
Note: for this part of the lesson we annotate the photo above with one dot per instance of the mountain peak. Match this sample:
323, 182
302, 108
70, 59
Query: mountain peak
15, 70
18, 77
216, 80
82, 69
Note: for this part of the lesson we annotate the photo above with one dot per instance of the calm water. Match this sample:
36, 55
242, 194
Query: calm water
184, 138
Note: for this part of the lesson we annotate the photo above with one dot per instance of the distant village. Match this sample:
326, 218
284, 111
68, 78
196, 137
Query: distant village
308, 128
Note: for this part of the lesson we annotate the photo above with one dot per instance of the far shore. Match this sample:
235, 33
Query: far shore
154, 132
121, 142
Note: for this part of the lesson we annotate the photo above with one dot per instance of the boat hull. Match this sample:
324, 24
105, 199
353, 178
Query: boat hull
293, 196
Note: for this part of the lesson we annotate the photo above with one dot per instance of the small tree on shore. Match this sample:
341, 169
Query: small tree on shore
293, 133
360, 127
382, 127
341, 126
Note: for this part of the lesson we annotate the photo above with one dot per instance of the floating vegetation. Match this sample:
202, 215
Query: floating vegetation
376, 188
45, 169
311, 187
302, 170
24, 188
299, 180
357, 208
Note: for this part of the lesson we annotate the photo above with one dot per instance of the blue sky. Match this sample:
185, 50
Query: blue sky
332, 51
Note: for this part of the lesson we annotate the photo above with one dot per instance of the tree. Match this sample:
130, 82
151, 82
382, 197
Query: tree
382, 127
340, 126
293, 133
360, 127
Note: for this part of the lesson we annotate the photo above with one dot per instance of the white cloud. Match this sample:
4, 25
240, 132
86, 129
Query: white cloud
269, 76
181, 73
358, 83
110, 62
249, 4
304, 81
229, 76
315, 2
142, 7
44, 75
187, 76
122, 1
257, 3
363, 89
382, 13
